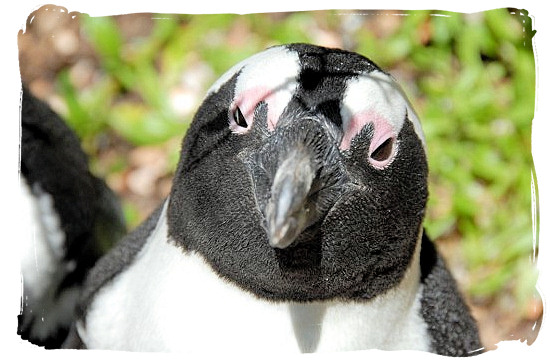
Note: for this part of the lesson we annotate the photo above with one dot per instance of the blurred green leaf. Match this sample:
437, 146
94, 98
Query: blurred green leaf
141, 126
131, 214
502, 25
77, 117
105, 36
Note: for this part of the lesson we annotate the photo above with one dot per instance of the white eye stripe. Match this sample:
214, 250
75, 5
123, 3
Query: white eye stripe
269, 76
264, 63
375, 98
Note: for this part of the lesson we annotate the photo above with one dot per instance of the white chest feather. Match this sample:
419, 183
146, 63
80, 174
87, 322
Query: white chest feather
171, 301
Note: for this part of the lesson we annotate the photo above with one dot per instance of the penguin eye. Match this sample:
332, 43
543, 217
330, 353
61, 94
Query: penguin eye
382, 155
383, 152
239, 119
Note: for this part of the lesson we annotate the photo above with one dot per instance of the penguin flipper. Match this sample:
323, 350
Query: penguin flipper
452, 328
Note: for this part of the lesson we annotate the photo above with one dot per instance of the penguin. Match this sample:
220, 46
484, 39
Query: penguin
71, 218
294, 225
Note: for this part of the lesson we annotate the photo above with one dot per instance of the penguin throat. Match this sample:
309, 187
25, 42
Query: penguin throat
304, 254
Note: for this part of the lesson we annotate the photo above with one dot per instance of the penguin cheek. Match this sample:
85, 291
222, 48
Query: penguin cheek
364, 250
348, 240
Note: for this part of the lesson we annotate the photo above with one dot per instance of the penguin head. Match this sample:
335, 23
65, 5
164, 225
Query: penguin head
303, 176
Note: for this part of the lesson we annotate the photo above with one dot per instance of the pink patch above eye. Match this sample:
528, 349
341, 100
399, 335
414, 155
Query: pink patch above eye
247, 101
382, 129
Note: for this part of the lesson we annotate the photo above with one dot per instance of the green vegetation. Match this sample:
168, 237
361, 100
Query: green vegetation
470, 77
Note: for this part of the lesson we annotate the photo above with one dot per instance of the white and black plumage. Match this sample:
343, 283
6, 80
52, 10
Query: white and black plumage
72, 218
294, 224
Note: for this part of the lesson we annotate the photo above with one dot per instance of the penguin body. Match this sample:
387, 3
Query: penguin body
68, 212
215, 311
294, 224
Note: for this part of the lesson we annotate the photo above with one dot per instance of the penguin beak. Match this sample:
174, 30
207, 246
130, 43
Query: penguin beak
297, 175
287, 211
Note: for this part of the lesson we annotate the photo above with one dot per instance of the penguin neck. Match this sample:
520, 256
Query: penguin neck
408, 288
399, 306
